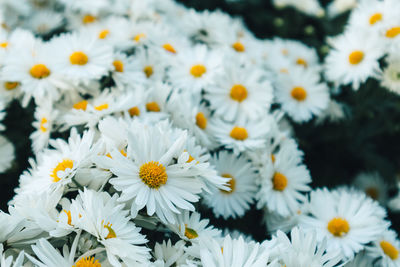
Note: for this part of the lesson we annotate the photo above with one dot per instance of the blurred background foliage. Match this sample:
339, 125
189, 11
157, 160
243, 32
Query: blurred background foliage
367, 140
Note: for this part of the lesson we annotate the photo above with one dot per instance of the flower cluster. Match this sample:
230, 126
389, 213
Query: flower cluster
168, 111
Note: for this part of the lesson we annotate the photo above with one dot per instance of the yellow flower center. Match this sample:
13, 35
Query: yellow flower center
201, 120
68, 212
138, 37
198, 70
338, 227
153, 174
299, 93
372, 192
111, 232
10, 85
393, 32
356, 57
231, 184
87, 262
118, 65
239, 133
279, 181
169, 48
123, 152
82, 105
238, 92
148, 70
43, 126
390, 250
39, 71
375, 18
239, 47
88, 19
62, 166
103, 34
273, 158
190, 159
135, 111
190, 233
101, 107
302, 62
78, 58
4, 44
153, 107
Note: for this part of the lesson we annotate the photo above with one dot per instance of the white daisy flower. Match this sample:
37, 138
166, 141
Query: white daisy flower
353, 59
81, 56
301, 94
6, 154
150, 178
235, 202
43, 124
10, 90
102, 216
302, 250
191, 228
127, 71
240, 92
373, 186
44, 21
283, 184
243, 134
386, 248
233, 252
195, 68
347, 219
151, 64
390, 77
171, 255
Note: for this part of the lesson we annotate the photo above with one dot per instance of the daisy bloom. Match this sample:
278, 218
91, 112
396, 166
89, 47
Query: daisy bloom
191, 228
353, 58
347, 219
301, 94
240, 92
150, 177
386, 248
235, 201
169, 254
102, 216
43, 124
373, 185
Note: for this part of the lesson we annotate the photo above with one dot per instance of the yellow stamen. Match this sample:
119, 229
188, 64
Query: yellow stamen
138, 37
4, 44
81, 105
169, 48
68, 212
299, 93
103, 34
101, 107
118, 65
375, 18
123, 152
111, 232
135, 111
87, 262
239, 133
10, 85
78, 58
356, 57
390, 250
39, 71
198, 70
201, 120
190, 233
239, 47
231, 184
62, 166
148, 70
153, 106
273, 158
238, 92
279, 181
43, 128
302, 62
153, 174
88, 19
338, 227
393, 32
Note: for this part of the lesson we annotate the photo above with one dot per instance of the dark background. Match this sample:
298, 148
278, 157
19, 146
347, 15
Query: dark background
368, 140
